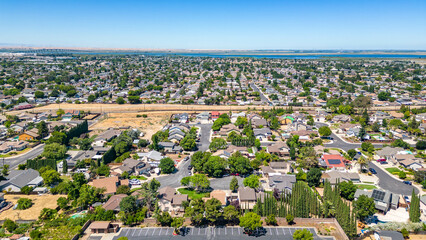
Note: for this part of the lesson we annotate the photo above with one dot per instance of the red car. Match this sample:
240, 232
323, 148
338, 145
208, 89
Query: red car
381, 160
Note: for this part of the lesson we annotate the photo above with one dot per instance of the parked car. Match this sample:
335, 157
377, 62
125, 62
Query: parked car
372, 170
384, 162
190, 167
408, 182
381, 160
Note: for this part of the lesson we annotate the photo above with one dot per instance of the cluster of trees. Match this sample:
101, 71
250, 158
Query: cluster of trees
335, 206
221, 121
199, 182
121, 145
302, 202
215, 166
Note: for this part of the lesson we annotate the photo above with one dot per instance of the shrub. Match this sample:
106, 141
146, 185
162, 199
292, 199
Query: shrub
271, 220
289, 219
24, 203
405, 233
402, 175
26, 190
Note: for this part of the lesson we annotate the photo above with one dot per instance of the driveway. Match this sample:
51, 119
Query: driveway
391, 184
211, 233
223, 183
13, 162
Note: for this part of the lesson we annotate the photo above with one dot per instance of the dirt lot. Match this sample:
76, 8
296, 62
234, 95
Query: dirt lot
149, 125
39, 202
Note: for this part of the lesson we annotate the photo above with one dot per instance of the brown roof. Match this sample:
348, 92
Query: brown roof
109, 183
166, 193
113, 202
219, 195
99, 225
178, 199
246, 194
278, 164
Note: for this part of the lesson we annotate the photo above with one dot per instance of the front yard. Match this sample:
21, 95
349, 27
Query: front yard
192, 194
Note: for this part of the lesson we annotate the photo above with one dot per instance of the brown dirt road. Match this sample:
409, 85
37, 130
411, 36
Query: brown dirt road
117, 108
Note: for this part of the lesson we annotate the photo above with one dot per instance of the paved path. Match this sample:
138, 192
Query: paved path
262, 96
391, 184
13, 162
211, 233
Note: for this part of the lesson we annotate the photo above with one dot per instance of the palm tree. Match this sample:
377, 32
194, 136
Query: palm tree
362, 161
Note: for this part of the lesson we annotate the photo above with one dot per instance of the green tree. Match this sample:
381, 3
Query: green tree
177, 223
5, 170
313, 177
128, 205
230, 214
364, 207
164, 219
24, 203
239, 164
352, 153
347, 190
213, 210
217, 143
54, 151
39, 94
188, 143
414, 212
421, 145
250, 221
234, 184
303, 234
26, 190
120, 100
324, 131
62, 202
167, 165
196, 211
9, 225
123, 189
251, 181
215, 166
50, 177
103, 170
91, 98
42, 128
200, 182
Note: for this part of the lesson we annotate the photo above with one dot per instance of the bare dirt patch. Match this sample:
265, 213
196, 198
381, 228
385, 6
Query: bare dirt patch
32, 213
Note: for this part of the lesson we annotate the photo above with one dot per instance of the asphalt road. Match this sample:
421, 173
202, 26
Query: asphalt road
391, 184
262, 96
205, 131
13, 162
173, 180
223, 183
339, 143
211, 233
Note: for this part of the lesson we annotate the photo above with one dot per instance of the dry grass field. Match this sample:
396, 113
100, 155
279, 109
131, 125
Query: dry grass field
39, 202
149, 125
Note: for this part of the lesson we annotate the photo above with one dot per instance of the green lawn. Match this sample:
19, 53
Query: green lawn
365, 186
138, 177
393, 170
192, 194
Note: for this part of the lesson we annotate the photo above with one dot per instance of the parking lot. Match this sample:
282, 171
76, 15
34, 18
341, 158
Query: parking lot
209, 233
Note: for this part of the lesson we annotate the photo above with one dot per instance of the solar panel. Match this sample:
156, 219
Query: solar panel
378, 195
334, 161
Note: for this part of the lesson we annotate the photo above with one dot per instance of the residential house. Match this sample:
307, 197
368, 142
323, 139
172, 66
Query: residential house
335, 177
29, 135
152, 157
284, 183
384, 200
113, 202
219, 195
246, 197
203, 117
103, 227
279, 148
280, 166
262, 133
18, 179
170, 201
411, 164
333, 161
170, 147
110, 184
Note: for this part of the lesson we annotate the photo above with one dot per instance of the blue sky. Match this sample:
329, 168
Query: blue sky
204, 24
